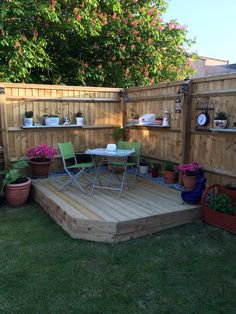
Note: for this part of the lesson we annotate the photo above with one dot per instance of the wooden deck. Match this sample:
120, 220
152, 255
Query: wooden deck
146, 209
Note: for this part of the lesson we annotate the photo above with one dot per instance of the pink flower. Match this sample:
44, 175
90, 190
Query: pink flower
189, 169
42, 151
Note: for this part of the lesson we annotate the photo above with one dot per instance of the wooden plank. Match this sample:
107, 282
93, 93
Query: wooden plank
5, 138
62, 99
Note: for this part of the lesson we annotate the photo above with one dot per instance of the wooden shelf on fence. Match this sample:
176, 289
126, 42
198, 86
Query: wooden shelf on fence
223, 130
152, 127
43, 127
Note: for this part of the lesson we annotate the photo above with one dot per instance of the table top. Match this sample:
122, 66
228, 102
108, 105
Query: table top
106, 152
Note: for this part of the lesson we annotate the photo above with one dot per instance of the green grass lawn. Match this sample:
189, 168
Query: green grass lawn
189, 269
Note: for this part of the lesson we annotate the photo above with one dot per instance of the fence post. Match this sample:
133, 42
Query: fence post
5, 139
186, 121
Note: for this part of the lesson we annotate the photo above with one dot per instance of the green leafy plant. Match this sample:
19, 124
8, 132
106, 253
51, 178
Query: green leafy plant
118, 134
169, 166
222, 203
79, 115
39, 43
221, 115
156, 165
29, 114
12, 175
143, 162
51, 116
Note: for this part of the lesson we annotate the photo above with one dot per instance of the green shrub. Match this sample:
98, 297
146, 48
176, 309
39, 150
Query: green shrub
169, 166
222, 203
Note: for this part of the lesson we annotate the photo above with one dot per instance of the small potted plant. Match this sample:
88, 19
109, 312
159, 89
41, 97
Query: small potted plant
189, 173
15, 184
155, 167
170, 175
159, 120
40, 158
218, 209
220, 120
51, 120
143, 166
118, 134
79, 119
28, 118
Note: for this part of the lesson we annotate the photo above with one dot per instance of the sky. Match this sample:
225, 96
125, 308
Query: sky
211, 22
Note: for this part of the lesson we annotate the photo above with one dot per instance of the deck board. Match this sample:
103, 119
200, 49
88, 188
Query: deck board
146, 209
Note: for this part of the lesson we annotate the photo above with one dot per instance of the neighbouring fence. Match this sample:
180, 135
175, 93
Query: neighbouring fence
104, 110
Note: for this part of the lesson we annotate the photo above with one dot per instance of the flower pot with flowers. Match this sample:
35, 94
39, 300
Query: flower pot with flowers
155, 167
189, 174
40, 158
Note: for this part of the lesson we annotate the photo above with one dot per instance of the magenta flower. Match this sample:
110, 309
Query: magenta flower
190, 169
42, 151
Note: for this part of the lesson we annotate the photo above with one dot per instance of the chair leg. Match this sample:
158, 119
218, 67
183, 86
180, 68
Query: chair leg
73, 180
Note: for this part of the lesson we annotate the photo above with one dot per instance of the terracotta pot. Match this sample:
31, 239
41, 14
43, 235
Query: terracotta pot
154, 173
18, 193
40, 168
170, 177
189, 182
228, 190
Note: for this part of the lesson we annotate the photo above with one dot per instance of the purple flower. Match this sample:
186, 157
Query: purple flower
42, 151
190, 169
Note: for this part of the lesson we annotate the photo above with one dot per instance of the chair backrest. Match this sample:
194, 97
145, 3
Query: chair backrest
67, 152
130, 145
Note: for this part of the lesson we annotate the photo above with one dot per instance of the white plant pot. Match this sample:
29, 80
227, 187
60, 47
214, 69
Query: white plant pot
52, 121
28, 121
220, 124
143, 169
79, 121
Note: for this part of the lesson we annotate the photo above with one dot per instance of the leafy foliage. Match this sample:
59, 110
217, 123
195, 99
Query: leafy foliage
104, 43
169, 166
222, 203
12, 175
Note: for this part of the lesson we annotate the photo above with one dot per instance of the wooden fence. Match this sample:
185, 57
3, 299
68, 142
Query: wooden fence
101, 108
185, 141
104, 109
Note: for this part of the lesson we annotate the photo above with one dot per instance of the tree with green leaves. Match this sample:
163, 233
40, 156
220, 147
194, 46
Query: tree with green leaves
91, 42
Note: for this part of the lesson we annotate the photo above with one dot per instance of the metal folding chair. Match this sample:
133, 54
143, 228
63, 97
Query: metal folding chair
136, 146
67, 153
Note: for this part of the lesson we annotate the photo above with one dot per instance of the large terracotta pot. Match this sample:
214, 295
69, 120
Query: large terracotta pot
39, 167
189, 182
18, 193
170, 177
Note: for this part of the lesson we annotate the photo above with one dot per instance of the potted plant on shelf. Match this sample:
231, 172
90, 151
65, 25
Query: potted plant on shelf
79, 119
170, 175
15, 185
28, 118
189, 174
218, 209
40, 158
155, 167
143, 166
51, 120
220, 120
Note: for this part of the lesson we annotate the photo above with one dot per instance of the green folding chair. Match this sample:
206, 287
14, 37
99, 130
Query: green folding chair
129, 164
67, 153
